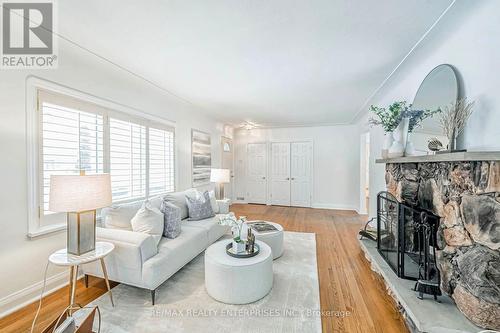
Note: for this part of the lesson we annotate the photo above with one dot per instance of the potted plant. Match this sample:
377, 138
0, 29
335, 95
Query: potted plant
414, 119
236, 228
389, 119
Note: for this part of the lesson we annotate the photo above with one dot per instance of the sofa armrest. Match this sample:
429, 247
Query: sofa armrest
136, 246
224, 206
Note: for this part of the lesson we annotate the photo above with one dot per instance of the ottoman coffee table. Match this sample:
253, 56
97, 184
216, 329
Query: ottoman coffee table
238, 280
273, 238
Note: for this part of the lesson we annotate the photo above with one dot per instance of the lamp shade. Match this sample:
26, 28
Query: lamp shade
220, 176
73, 193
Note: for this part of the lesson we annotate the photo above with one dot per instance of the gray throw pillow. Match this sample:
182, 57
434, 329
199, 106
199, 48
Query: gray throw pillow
199, 208
172, 219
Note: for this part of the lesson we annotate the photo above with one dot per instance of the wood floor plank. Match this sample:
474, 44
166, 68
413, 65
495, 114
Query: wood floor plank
52, 306
347, 284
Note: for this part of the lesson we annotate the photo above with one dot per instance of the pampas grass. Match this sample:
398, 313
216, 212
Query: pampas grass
454, 117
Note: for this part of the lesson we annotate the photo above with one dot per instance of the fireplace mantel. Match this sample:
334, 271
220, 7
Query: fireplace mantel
447, 157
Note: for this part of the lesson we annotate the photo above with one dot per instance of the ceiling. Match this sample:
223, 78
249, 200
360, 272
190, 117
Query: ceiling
271, 62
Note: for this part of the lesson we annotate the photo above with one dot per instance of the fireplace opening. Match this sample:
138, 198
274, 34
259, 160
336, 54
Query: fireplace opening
406, 239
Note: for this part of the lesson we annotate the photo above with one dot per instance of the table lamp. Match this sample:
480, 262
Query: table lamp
79, 196
220, 177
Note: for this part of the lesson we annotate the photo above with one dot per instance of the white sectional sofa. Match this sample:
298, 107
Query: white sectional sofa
137, 260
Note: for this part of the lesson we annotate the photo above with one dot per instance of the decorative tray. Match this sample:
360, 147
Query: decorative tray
244, 254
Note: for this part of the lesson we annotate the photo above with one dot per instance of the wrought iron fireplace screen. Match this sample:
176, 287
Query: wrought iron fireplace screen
405, 237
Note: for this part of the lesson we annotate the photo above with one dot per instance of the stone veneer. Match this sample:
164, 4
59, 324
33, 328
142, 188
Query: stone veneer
466, 196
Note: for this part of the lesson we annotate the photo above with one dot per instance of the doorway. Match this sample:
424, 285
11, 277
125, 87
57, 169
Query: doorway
364, 173
228, 163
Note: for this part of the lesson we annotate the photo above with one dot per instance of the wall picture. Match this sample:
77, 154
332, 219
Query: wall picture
201, 151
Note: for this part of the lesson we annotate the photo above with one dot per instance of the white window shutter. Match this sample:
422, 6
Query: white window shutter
127, 149
72, 140
161, 161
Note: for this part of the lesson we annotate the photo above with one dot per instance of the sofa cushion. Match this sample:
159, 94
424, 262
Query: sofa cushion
211, 226
149, 220
172, 255
119, 217
179, 199
171, 219
199, 208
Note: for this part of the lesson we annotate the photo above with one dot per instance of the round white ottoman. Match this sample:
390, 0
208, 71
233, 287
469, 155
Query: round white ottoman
272, 238
238, 280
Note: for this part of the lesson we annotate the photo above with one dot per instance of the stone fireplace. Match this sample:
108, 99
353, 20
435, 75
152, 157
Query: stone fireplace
464, 191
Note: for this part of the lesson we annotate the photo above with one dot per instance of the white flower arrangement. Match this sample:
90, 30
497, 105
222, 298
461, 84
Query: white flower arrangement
235, 224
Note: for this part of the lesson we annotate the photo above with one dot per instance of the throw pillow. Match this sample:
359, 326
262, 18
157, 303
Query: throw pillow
179, 199
148, 220
118, 217
213, 202
199, 208
172, 219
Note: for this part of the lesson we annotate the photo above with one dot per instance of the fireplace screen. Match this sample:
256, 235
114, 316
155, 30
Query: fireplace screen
405, 236
387, 229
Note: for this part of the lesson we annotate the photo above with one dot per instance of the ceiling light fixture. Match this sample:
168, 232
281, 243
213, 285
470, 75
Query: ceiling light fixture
248, 125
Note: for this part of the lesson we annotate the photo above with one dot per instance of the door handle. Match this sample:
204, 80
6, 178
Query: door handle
287, 178
293, 178
263, 177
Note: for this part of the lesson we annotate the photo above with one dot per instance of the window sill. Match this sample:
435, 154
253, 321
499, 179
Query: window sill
41, 231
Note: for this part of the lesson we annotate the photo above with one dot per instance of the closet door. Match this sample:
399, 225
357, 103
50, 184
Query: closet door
301, 164
256, 173
280, 173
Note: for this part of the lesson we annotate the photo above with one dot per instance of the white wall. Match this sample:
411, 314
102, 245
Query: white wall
22, 260
466, 38
335, 163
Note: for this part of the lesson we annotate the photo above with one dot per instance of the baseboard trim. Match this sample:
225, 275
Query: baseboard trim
238, 202
30, 294
318, 206
334, 207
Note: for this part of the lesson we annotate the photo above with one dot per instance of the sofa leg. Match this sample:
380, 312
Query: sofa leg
86, 279
153, 294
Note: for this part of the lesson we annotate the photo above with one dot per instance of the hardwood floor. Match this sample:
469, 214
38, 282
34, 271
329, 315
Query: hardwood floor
347, 284
52, 306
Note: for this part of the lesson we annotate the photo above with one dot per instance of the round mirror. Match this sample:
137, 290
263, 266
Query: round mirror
439, 89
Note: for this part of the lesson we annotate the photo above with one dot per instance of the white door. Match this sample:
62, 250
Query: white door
280, 174
256, 173
300, 188
227, 163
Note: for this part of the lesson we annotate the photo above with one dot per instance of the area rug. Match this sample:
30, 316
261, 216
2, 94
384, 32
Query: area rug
183, 304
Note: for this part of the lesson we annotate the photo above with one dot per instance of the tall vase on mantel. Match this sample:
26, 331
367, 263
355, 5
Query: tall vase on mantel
400, 136
388, 140
410, 148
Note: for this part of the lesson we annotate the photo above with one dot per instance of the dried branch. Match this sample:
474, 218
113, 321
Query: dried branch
454, 118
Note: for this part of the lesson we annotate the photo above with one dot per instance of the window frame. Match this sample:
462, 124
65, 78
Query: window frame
108, 109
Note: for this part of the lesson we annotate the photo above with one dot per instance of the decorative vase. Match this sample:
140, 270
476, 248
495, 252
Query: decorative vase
238, 246
398, 146
405, 124
388, 140
452, 142
410, 148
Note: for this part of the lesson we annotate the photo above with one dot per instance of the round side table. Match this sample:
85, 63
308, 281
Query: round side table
272, 238
63, 258
238, 280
